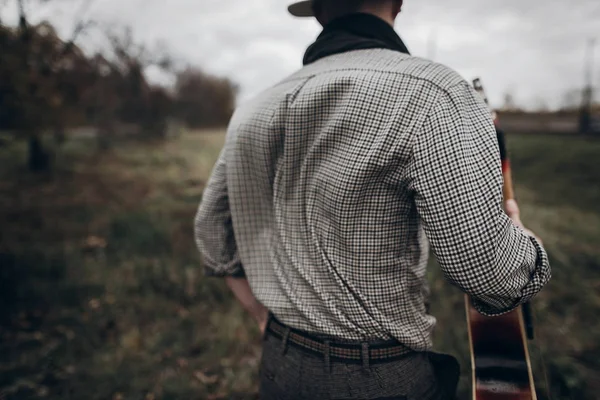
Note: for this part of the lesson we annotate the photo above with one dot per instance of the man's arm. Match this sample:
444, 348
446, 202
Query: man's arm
242, 291
215, 238
456, 177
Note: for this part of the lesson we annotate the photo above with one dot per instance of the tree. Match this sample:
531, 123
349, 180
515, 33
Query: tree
509, 102
203, 100
34, 58
48, 84
137, 102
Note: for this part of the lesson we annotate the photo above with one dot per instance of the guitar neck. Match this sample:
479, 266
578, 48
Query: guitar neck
501, 366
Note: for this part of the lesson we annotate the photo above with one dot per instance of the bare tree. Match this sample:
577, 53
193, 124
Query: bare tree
203, 100
39, 52
509, 102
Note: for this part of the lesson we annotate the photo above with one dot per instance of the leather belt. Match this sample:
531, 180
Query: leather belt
358, 353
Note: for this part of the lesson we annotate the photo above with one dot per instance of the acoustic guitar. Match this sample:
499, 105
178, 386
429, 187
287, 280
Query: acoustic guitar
500, 362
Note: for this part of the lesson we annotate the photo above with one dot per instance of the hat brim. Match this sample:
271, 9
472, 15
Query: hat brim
301, 9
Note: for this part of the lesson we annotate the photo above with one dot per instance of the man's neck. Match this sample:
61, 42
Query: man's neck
385, 17
390, 21
382, 13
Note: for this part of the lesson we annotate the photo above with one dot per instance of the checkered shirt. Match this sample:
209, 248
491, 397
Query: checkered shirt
333, 184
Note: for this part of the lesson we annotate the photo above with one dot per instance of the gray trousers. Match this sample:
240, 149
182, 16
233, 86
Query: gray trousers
289, 373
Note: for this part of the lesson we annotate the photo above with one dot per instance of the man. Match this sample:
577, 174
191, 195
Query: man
322, 205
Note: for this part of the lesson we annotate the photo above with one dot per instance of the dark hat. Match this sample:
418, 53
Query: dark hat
301, 9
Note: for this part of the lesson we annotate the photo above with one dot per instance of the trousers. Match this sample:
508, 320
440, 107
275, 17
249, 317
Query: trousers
290, 373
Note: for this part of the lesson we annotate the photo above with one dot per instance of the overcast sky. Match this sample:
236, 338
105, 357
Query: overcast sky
533, 48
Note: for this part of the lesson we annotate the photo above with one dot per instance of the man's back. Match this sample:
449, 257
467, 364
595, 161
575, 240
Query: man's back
335, 175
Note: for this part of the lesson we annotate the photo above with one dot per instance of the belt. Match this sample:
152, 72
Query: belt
359, 353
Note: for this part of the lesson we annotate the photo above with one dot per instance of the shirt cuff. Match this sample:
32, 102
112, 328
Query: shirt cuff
234, 271
539, 275
494, 307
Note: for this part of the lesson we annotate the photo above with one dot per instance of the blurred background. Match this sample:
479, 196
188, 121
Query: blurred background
112, 114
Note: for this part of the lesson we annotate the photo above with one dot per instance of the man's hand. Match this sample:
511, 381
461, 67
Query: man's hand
262, 321
512, 210
242, 291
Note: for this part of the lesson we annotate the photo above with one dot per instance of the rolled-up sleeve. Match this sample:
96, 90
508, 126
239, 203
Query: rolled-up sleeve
213, 228
456, 177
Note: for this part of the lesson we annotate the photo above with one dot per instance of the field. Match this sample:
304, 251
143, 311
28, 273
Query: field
101, 293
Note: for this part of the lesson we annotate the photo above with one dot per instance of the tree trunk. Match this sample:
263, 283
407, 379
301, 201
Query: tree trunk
39, 158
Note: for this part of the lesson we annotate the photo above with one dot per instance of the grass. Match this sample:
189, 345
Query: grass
101, 295
101, 292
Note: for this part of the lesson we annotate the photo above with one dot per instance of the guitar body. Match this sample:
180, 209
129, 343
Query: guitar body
499, 356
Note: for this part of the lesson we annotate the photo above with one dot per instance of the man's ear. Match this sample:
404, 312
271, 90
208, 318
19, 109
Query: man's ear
397, 8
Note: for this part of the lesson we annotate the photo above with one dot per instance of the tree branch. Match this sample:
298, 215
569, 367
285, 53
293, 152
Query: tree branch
81, 25
22, 16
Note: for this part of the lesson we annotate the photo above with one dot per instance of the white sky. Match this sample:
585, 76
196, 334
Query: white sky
533, 48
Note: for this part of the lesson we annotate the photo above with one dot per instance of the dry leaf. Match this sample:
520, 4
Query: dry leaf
183, 313
43, 391
182, 362
94, 304
250, 360
95, 242
206, 379
217, 396
132, 340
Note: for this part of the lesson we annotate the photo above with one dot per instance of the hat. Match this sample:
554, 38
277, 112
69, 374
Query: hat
301, 9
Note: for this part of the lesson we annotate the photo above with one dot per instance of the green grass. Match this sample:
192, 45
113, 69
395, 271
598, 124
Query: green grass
562, 170
101, 293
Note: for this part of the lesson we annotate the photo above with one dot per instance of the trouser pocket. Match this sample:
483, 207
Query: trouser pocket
447, 371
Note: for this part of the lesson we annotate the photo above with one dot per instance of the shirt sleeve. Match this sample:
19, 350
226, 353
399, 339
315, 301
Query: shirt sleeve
213, 228
455, 176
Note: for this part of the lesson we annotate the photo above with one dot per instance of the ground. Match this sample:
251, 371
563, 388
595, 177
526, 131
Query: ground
102, 297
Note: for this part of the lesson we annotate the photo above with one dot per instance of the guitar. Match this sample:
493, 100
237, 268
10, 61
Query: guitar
500, 362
